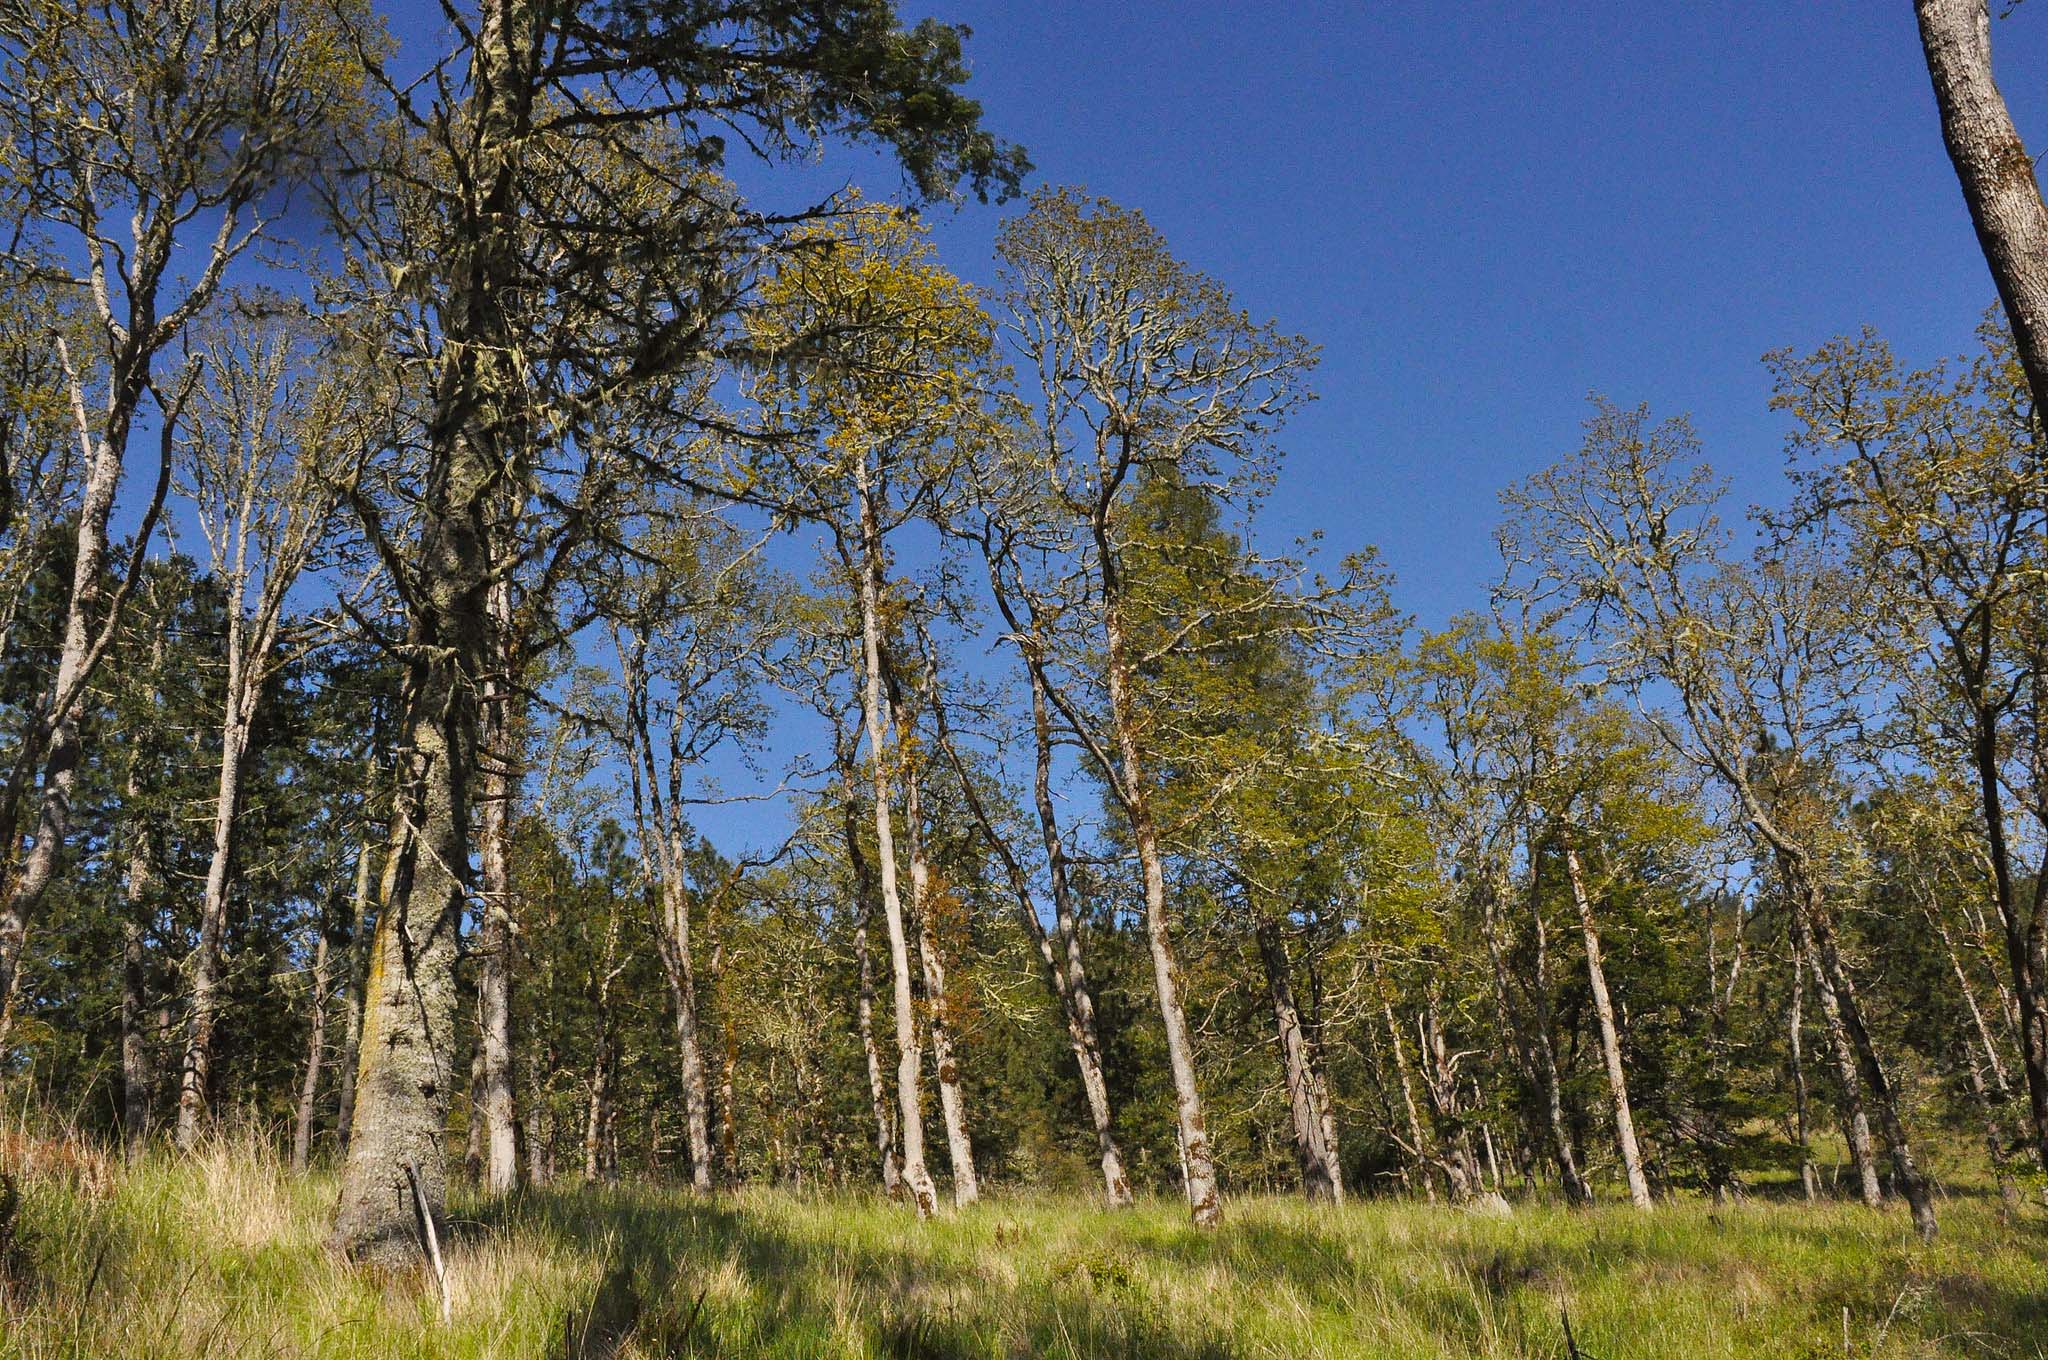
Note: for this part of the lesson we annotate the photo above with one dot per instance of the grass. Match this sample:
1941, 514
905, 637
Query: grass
221, 1255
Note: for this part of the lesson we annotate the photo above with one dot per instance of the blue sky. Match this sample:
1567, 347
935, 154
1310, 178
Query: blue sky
1484, 211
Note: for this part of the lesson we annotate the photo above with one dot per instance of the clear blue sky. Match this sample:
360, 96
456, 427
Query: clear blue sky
1483, 211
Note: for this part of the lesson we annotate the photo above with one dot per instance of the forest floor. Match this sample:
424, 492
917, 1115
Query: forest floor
221, 1255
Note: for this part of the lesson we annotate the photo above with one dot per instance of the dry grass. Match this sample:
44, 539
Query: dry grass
221, 1254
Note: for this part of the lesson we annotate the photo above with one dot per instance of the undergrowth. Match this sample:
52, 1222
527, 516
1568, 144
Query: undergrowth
222, 1254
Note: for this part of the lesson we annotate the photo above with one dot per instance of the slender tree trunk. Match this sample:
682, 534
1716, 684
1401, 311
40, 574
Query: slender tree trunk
2023, 930
1828, 959
909, 1051
1319, 1180
1421, 1138
1575, 1188
1809, 1182
473, 1127
864, 912
499, 779
1538, 1059
540, 1164
135, 1065
599, 1159
878, 1096
52, 741
316, 1052
938, 1000
1610, 1038
360, 925
1995, 171
1855, 1122
1062, 961
679, 966
1198, 1161
195, 1074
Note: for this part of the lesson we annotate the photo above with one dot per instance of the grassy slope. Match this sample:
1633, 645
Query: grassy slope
222, 1256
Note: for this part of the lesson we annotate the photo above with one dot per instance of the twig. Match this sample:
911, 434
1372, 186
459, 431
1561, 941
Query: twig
431, 1237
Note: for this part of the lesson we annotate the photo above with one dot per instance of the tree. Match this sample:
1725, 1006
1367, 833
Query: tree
523, 247
1139, 364
275, 432
1938, 482
893, 391
1762, 661
1994, 170
149, 147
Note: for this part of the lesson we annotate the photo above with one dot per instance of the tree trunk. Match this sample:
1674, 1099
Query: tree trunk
938, 1001
1421, 1145
878, 1097
52, 739
1575, 1188
402, 1089
1995, 171
1319, 1181
679, 966
409, 1003
864, 910
540, 1164
1064, 970
1808, 1182
316, 1051
499, 777
909, 1051
360, 925
1610, 1038
2024, 936
195, 1073
1827, 961
1198, 1162
135, 1075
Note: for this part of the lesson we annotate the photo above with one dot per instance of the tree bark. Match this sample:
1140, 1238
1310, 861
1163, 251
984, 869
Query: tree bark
135, 1074
679, 967
1994, 170
2026, 935
1801, 1117
878, 1096
360, 925
1848, 1016
1199, 1162
1610, 1037
196, 1071
402, 1090
924, 911
499, 775
864, 910
316, 1052
909, 1049
52, 738
1063, 964
1319, 1179
1575, 1188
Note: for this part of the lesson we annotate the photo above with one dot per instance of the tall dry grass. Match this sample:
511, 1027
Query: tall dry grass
222, 1254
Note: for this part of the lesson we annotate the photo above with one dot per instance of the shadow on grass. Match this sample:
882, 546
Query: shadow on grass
688, 1277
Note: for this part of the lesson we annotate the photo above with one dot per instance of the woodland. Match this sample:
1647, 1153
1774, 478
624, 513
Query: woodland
433, 494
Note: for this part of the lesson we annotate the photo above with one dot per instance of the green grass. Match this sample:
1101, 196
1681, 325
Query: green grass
221, 1255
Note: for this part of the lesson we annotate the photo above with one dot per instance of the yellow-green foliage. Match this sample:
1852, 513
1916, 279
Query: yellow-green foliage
221, 1255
